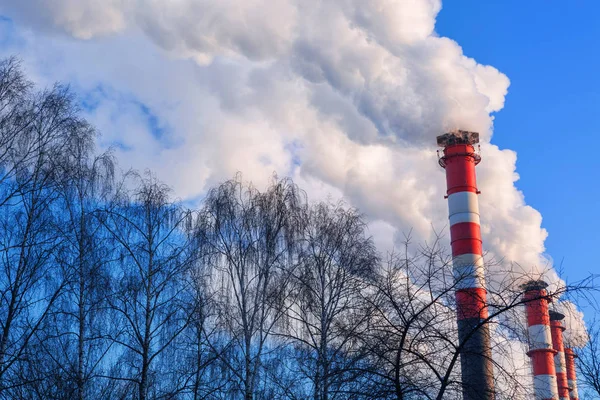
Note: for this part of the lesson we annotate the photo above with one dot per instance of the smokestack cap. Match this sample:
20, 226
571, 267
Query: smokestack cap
457, 137
556, 316
534, 285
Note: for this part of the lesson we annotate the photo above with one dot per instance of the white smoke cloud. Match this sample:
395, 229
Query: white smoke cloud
346, 96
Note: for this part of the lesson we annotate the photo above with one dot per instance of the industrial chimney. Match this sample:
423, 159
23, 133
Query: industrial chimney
459, 160
541, 351
571, 374
557, 329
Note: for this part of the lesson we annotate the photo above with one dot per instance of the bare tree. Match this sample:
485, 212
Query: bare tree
77, 331
412, 322
199, 359
250, 236
150, 234
198, 371
31, 279
326, 314
15, 121
588, 361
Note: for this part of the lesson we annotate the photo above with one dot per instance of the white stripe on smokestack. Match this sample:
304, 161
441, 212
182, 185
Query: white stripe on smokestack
545, 387
560, 363
573, 394
463, 207
540, 340
468, 271
540, 337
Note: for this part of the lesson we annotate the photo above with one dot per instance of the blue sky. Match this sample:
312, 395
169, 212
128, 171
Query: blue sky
549, 50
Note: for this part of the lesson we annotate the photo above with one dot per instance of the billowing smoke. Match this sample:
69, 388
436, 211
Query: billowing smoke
345, 96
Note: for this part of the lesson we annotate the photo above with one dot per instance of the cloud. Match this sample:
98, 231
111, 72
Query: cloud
345, 96
83, 19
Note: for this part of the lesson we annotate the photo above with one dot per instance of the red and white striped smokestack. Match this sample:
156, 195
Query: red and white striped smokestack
557, 329
541, 351
571, 373
459, 160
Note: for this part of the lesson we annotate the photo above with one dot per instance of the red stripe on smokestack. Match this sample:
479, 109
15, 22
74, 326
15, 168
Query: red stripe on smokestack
465, 246
557, 329
571, 373
465, 238
468, 304
540, 340
460, 176
460, 160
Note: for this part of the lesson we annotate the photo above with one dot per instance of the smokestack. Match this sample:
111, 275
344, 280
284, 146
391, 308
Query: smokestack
540, 340
557, 328
459, 160
571, 374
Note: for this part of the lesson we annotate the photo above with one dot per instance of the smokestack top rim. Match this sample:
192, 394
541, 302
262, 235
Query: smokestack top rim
457, 137
570, 352
534, 285
556, 316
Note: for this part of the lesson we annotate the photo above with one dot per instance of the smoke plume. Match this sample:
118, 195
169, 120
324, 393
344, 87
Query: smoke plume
345, 96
